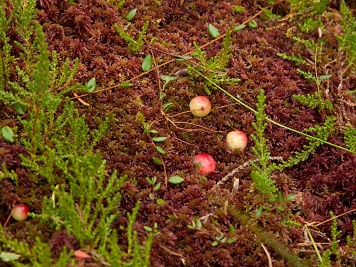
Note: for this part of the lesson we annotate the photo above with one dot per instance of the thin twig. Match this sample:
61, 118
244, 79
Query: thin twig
340, 215
268, 256
172, 252
241, 167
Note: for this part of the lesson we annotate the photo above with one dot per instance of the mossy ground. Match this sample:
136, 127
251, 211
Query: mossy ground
325, 182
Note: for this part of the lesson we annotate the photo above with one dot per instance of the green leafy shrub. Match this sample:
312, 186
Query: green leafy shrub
262, 171
214, 67
61, 154
133, 44
347, 41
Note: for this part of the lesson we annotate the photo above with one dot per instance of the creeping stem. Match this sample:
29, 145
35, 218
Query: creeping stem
270, 120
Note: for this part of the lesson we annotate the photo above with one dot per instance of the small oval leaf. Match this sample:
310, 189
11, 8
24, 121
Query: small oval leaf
168, 106
175, 179
147, 63
157, 161
214, 32
7, 134
160, 150
253, 24
259, 212
231, 240
159, 139
9, 256
126, 84
147, 228
91, 85
238, 27
20, 108
324, 77
131, 14
167, 79
160, 201
215, 243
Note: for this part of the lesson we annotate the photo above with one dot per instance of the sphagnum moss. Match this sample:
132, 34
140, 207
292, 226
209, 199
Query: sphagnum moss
103, 54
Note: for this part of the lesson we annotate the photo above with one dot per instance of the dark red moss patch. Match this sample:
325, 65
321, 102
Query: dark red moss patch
325, 182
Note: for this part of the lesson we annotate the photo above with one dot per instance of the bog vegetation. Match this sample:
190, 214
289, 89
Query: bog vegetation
81, 174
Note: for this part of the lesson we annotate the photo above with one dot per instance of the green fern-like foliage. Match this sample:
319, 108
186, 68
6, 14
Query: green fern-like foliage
5, 56
351, 241
308, 7
334, 246
350, 137
347, 41
314, 101
262, 171
335, 233
213, 68
322, 132
38, 255
294, 58
310, 24
326, 259
87, 206
36, 81
135, 254
134, 45
56, 148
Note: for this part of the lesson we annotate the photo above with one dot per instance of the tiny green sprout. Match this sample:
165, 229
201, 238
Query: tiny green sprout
154, 39
7, 134
259, 212
126, 84
253, 24
91, 85
160, 150
238, 27
162, 96
151, 181
168, 106
147, 63
152, 229
292, 197
232, 229
325, 77
160, 201
214, 32
220, 239
176, 179
159, 139
195, 224
239, 9
131, 14
157, 186
280, 208
157, 161
147, 228
231, 240
20, 108
167, 79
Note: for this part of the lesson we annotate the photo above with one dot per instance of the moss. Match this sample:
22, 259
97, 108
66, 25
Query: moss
86, 31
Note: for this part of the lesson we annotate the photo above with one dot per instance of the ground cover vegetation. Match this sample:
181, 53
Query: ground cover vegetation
98, 140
